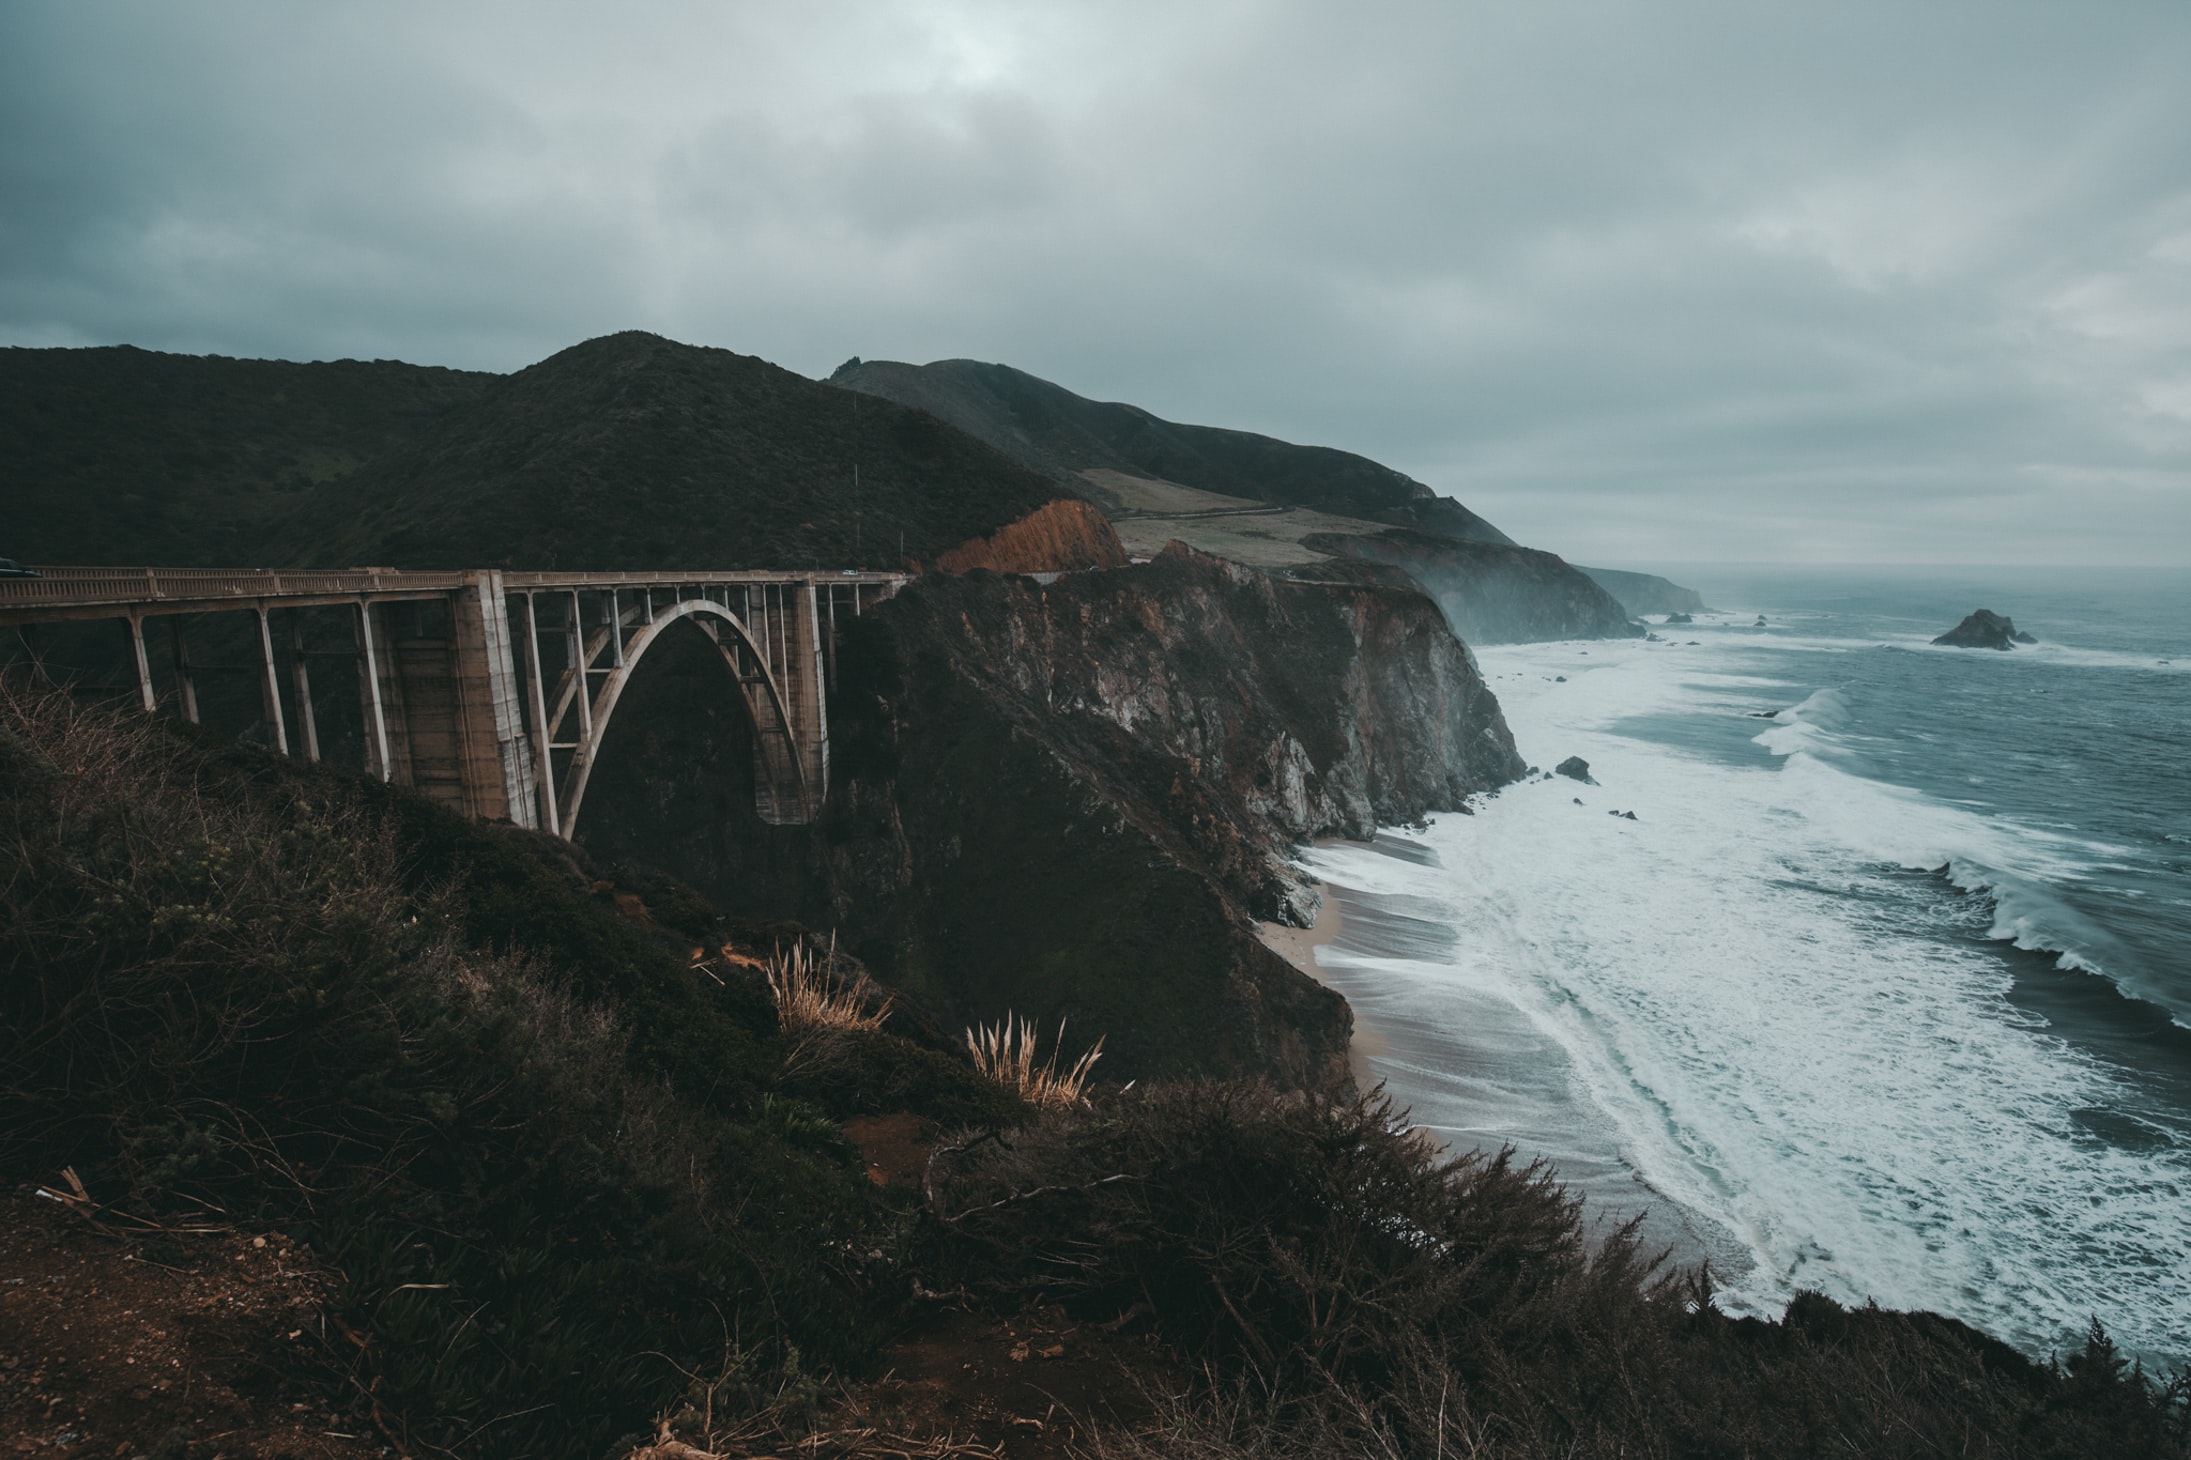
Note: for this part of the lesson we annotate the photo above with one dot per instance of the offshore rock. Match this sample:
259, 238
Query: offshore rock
1984, 629
1575, 768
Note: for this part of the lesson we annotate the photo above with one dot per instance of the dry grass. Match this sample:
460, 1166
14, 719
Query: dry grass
1005, 1052
811, 994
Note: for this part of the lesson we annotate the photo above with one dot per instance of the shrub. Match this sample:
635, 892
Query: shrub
1005, 1052
1343, 1289
810, 993
227, 980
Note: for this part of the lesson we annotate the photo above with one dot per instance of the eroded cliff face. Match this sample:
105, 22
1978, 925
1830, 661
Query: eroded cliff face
1074, 801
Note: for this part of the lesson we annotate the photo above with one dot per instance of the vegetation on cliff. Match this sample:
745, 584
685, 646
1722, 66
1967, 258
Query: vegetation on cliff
1494, 590
121, 455
1063, 434
560, 1167
1341, 1288
628, 451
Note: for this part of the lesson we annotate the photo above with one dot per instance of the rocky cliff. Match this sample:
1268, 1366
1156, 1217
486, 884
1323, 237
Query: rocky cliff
1494, 593
1073, 801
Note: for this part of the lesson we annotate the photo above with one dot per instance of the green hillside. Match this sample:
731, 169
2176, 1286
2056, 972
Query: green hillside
632, 451
629, 451
1054, 430
121, 455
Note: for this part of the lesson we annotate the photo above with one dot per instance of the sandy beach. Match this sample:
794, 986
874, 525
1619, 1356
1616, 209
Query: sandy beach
1298, 947
1468, 1067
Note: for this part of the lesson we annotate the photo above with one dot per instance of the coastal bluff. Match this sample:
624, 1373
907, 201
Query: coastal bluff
1149, 745
1077, 800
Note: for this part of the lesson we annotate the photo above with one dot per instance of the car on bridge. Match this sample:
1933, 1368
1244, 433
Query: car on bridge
9, 568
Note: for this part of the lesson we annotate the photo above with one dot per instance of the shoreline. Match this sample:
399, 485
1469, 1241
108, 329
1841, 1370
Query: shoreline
1476, 1074
1298, 947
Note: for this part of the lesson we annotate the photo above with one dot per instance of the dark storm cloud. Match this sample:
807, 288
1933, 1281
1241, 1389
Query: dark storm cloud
1637, 281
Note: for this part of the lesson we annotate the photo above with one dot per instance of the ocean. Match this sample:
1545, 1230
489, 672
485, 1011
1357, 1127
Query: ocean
1884, 991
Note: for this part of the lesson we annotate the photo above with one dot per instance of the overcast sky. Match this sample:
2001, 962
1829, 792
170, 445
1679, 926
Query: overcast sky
1831, 281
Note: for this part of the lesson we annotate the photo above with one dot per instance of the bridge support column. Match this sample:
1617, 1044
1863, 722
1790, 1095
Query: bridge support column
300, 680
270, 685
376, 712
144, 666
805, 687
496, 754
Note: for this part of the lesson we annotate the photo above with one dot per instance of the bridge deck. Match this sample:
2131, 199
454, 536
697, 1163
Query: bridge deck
60, 594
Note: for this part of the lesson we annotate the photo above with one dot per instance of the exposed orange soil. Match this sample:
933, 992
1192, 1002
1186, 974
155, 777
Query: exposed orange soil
1057, 537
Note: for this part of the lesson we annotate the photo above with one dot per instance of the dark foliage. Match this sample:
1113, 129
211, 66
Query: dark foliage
1348, 1291
629, 451
549, 1157
1053, 430
633, 451
121, 455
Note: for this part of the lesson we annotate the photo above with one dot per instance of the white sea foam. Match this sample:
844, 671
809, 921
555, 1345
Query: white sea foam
1734, 981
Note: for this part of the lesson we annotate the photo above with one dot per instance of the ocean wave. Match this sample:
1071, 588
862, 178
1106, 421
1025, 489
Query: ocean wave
2014, 865
1789, 1033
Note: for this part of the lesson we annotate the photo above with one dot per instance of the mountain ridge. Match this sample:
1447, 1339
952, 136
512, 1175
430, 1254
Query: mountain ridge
1065, 435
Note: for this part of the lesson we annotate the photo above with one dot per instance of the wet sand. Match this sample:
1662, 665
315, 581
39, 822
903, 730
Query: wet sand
1298, 947
1469, 1067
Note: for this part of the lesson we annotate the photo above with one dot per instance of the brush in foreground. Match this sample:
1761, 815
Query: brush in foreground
1005, 1052
809, 994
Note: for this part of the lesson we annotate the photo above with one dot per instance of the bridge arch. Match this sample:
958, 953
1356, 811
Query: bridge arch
781, 784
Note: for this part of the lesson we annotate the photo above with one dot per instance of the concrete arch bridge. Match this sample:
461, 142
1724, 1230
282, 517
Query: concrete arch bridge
490, 691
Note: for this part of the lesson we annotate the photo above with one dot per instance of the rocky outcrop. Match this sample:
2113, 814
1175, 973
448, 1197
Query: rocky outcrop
1146, 746
1984, 629
1642, 593
1493, 593
1059, 537
1075, 800
1575, 768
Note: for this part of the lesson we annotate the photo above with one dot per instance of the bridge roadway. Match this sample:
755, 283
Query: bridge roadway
492, 690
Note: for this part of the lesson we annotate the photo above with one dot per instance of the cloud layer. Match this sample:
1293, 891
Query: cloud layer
1640, 282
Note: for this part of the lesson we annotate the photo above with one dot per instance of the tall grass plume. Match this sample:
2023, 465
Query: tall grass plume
1005, 1052
810, 994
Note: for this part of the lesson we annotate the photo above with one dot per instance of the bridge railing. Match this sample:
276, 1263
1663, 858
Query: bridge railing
71, 591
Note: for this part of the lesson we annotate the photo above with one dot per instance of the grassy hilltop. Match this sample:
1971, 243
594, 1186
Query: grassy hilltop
628, 451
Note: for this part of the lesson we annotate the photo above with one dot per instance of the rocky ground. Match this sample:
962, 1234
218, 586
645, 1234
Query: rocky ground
202, 1339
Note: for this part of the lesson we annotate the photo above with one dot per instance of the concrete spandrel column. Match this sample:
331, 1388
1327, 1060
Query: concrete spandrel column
551, 819
300, 680
815, 741
270, 685
376, 711
495, 753
145, 695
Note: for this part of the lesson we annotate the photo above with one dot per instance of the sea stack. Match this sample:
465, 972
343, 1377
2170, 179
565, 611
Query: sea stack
1984, 629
